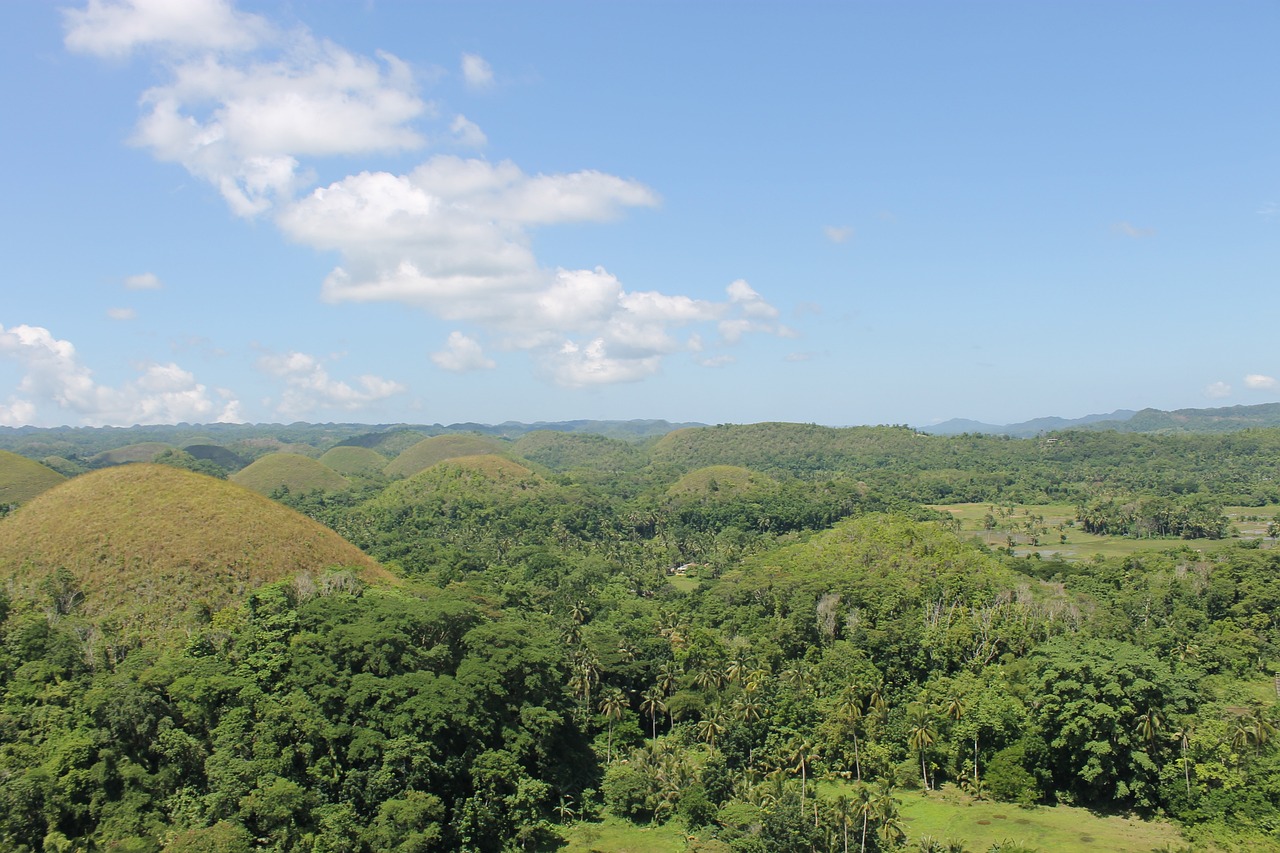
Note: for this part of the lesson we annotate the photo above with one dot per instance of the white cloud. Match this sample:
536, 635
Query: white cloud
468, 133
1259, 382
577, 366
114, 29
477, 73
242, 121
1133, 232
143, 281
308, 386
55, 383
122, 313
1217, 390
245, 106
838, 233
462, 354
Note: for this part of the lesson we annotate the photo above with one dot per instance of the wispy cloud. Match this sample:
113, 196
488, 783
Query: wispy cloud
838, 233
1217, 390
309, 388
1260, 382
143, 281
1133, 232
476, 71
121, 313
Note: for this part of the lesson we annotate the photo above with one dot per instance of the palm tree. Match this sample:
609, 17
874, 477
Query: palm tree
1183, 737
801, 753
844, 817
920, 737
710, 727
864, 805
850, 710
667, 678
652, 704
886, 808
613, 705
1149, 725
564, 810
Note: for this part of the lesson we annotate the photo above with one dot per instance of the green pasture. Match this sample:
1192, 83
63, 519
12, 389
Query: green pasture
615, 835
1058, 520
945, 815
951, 814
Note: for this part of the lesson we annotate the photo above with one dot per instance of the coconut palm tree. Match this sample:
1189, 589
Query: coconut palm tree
920, 736
653, 704
850, 710
613, 704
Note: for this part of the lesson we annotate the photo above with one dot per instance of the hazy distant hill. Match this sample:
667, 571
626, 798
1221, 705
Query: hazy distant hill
1225, 419
1027, 429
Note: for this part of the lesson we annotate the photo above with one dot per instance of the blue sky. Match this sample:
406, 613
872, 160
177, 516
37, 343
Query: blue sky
840, 213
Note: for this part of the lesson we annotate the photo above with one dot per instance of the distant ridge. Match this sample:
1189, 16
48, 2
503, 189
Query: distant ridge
1026, 429
1224, 419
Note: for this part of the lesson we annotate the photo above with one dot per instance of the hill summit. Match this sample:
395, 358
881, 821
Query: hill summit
139, 545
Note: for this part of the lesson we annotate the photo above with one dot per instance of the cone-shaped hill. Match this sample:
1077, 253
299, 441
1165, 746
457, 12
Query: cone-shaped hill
142, 452
145, 544
293, 471
720, 479
438, 448
21, 479
354, 461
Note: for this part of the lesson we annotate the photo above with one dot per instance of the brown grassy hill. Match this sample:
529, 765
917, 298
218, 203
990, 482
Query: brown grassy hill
438, 448
21, 479
719, 479
292, 471
142, 452
358, 461
147, 543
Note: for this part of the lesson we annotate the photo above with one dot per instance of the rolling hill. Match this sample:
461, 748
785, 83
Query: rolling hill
21, 479
354, 461
138, 546
438, 448
291, 471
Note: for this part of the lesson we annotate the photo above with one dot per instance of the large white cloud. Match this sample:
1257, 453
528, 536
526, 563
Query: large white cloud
115, 29
55, 385
248, 105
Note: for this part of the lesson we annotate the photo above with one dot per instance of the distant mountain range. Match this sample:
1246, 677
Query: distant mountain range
1226, 419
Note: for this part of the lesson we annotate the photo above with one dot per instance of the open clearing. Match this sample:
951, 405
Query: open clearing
1041, 527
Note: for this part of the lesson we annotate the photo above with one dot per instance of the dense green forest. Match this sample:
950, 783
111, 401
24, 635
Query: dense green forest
758, 633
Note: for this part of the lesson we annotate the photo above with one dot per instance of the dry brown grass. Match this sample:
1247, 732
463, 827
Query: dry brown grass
716, 478
354, 460
21, 479
146, 543
438, 448
293, 471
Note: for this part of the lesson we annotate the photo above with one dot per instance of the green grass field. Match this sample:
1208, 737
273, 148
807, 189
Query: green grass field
951, 814
614, 835
945, 815
1057, 520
